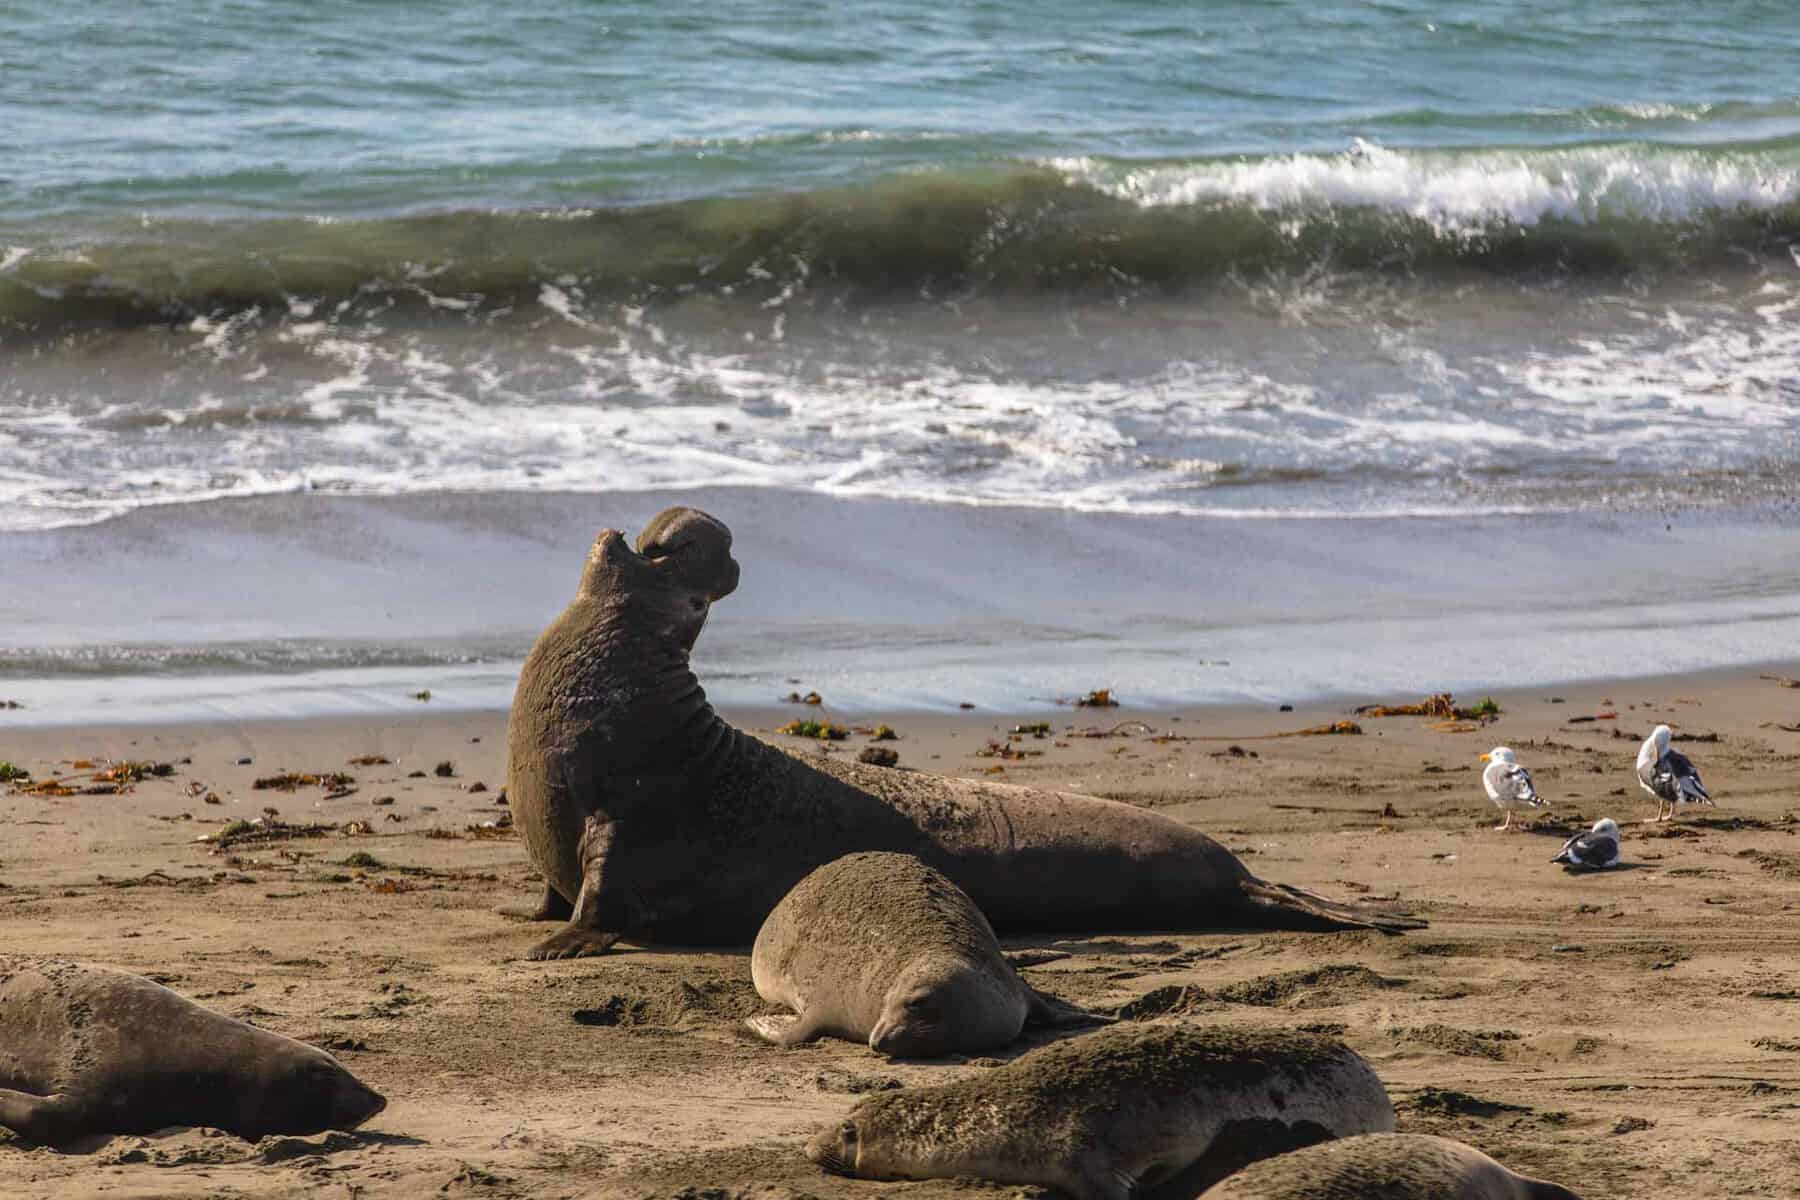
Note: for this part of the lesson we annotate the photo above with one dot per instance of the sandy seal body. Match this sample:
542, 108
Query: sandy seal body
652, 818
1105, 1115
1392, 1166
879, 947
87, 1050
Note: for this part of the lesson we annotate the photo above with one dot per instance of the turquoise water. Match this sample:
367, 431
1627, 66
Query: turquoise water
1389, 262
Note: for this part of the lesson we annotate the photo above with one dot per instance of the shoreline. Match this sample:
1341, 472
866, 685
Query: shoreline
23, 725
304, 605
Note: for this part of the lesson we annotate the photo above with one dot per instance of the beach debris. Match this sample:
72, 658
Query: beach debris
1036, 729
825, 731
476, 788
797, 698
1441, 705
883, 733
10, 704
382, 801
1336, 728
444, 770
416, 775
245, 761
1781, 681
1234, 751
965, 706
422, 696
261, 829
1118, 730
1103, 698
371, 760
996, 769
10, 773
999, 749
878, 756
289, 781
363, 860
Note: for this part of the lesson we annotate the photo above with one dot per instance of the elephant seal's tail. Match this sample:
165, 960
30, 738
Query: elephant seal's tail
1283, 906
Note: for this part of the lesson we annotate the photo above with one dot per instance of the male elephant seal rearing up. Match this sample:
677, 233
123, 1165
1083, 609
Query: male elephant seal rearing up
654, 820
1385, 1166
1110, 1114
87, 1050
880, 948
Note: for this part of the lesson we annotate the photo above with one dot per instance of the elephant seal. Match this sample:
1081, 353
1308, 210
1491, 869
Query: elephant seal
653, 819
1392, 1166
879, 947
87, 1050
1105, 1115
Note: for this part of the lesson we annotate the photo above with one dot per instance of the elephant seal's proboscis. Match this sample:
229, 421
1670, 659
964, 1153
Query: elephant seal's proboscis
879, 947
1392, 1166
653, 819
1105, 1115
88, 1051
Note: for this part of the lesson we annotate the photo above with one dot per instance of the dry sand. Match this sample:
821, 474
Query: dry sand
1633, 1034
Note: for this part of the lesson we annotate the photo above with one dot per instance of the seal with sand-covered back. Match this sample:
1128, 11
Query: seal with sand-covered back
1107, 1114
1386, 1166
653, 819
879, 947
88, 1050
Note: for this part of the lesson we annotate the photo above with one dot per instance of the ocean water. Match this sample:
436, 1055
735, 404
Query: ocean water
1407, 271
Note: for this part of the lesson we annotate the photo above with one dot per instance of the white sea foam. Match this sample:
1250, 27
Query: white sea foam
1468, 191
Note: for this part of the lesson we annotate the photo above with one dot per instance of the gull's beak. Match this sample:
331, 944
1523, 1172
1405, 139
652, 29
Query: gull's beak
1485, 757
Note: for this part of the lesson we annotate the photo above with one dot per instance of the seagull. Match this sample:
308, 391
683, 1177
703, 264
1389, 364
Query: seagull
1668, 774
1596, 849
1508, 783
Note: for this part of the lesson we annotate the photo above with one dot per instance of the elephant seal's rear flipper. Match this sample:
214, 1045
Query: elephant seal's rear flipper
1284, 906
1047, 1012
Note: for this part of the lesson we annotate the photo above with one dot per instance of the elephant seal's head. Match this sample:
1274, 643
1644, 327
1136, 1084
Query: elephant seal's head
682, 564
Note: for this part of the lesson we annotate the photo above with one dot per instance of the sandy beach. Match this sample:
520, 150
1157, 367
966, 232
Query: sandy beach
1630, 1034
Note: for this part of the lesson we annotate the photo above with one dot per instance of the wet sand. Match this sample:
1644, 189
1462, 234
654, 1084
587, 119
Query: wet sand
1631, 1034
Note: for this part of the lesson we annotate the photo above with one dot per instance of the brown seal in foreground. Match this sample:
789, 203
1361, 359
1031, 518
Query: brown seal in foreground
87, 1050
879, 947
1385, 1166
652, 819
1112, 1113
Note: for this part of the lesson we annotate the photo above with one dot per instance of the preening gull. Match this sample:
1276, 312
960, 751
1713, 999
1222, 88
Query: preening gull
1667, 774
1596, 849
1508, 784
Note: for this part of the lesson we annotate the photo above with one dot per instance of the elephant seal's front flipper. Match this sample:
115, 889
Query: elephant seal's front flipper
45, 1120
551, 908
584, 936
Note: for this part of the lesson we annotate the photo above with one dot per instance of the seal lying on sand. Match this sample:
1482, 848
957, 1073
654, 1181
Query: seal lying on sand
86, 1050
1107, 1114
881, 948
653, 819
1392, 1166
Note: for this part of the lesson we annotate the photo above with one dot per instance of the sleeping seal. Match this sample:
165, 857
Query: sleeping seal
1104, 1115
87, 1050
1391, 1166
652, 819
881, 948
